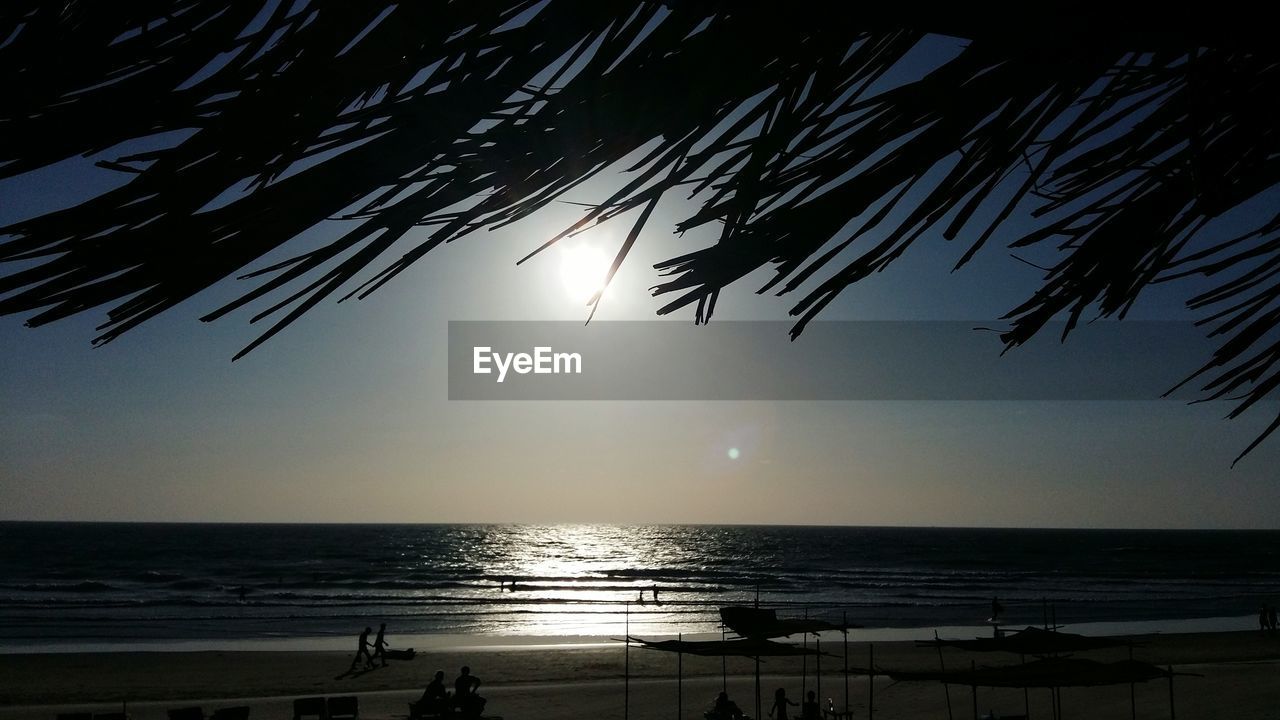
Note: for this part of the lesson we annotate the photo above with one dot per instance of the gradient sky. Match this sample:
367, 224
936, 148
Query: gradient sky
344, 416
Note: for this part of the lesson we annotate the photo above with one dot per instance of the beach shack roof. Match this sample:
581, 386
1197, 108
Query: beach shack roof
1047, 673
745, 647
1031, 641
761, 623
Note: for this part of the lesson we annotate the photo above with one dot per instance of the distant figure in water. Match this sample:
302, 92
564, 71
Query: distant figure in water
243, 591
810, 709
465, 697
996, 609
726, 709
655, 596
380, 645
641, 598
363, 650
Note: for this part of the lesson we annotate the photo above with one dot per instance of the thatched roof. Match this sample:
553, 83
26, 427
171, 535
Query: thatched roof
764, 623
1048, 673
1031, 641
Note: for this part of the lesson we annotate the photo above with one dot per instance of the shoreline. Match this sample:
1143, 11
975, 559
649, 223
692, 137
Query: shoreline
448, 642
1242, 666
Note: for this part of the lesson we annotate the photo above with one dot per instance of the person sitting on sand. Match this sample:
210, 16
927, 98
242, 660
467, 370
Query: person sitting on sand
363, 650
380, 645
465, 697
810, 710
435, 699
724, 708
780, 703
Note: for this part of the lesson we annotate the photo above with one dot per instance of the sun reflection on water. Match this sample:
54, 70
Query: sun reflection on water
586, 580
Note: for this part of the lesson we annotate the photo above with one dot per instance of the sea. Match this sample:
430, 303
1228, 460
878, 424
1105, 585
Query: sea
78, 586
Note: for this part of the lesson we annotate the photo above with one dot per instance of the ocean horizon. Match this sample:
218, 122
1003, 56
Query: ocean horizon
200, 585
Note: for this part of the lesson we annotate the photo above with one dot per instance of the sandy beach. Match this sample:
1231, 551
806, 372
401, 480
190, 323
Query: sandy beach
1235, 674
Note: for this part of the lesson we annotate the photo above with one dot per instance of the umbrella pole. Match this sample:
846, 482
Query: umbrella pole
942, 667
804, 661
818, 672
1026, 693
626, 664
871, 681
973, 690
844, 620
1133, 702
757, 687
724, 666
1170, 668
679, 679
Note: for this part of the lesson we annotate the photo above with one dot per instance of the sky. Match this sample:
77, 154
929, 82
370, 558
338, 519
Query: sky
345, 416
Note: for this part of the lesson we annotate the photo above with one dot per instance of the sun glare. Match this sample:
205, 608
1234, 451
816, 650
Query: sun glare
583, 270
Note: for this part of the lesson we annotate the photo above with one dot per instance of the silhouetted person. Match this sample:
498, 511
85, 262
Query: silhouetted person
996, 609
243, 591
1263, 619
435, 699
810, 709
363, 650
380, 645
726, 709
1271, 618
780, 703
465, 697
655, 595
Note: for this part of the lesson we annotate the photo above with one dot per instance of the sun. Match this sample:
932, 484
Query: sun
583, 269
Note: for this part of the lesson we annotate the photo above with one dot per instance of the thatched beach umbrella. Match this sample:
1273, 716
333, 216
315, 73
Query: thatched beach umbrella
754, 648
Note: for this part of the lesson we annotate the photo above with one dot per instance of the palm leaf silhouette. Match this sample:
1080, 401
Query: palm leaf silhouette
1122, 135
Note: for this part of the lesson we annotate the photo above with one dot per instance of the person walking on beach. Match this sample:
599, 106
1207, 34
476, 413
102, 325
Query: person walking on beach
380, 645
1271, 618
465, 697
363, 650
780, 703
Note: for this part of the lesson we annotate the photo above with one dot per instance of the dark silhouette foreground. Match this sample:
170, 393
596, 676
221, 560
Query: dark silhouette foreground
1103, 141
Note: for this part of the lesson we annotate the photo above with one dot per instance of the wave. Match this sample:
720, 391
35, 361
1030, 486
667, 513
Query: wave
87, 586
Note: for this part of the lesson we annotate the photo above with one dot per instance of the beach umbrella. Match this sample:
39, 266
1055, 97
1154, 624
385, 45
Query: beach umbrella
754, 648
1030, 641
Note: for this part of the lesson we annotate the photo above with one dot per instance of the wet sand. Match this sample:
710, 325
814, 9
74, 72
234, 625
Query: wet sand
1238, 677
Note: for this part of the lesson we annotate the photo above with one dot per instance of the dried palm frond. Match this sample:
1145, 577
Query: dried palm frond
1123, 135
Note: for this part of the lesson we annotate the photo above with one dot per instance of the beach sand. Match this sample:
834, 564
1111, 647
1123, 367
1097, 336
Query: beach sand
1238, 677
